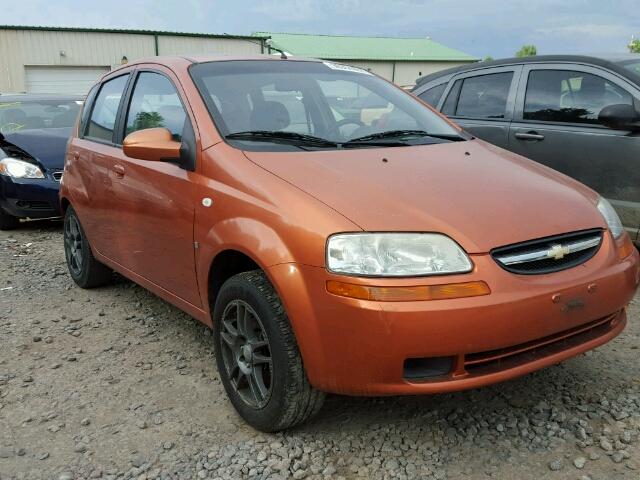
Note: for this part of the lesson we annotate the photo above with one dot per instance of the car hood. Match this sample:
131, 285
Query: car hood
480, 195
47, 145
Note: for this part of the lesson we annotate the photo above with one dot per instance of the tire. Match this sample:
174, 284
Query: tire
289, 399
8, 222
84, 269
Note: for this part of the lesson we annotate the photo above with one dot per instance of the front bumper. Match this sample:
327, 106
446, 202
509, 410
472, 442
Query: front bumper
30, 198
360, 347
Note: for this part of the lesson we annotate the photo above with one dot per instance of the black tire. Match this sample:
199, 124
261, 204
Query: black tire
84, 269
291, 400
8, 222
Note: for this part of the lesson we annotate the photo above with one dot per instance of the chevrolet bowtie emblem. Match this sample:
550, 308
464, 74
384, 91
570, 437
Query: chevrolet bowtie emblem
557, 252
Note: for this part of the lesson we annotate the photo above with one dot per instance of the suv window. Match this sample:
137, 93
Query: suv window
484, 96
105, 109
433, 94
155, 103
570, 96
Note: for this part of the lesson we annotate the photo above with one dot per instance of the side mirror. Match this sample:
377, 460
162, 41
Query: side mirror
154, 144
620, 117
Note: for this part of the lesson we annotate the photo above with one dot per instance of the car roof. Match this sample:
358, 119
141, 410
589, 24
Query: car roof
606, 61
34, 97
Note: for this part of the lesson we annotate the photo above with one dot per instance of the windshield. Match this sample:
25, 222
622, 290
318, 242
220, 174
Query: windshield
32, 114
633, 65
318, 102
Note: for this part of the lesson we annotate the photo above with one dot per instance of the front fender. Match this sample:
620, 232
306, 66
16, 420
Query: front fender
251, 237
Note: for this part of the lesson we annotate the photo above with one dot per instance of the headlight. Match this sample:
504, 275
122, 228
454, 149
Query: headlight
395, 254
611, 217
12, 167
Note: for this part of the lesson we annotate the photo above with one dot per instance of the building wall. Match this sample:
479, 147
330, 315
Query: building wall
400, 72
408, 72
23, 48
175, 45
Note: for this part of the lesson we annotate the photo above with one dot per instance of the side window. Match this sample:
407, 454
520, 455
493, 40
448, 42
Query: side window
86, 108
155, 103
570, 96
432, 95
105, 109
449, 106
484, 96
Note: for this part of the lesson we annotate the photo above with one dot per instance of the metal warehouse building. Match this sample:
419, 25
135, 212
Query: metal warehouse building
400, 60
70, 60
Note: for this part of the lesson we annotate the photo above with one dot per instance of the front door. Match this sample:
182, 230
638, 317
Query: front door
482, 102
556, 124
154, 199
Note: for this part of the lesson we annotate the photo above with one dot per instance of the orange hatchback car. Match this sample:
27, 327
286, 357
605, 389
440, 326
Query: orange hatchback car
337, 234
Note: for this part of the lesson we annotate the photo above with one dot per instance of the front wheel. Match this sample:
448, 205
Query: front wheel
84, 269
258, 358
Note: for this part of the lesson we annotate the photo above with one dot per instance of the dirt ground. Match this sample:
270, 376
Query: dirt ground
116, 383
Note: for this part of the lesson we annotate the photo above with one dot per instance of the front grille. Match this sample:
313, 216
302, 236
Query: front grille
483, 363
37, 205
549, 254
435, 369
57, 176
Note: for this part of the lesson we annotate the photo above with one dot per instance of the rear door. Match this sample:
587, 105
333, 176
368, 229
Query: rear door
91, 158
482, 102
556, 123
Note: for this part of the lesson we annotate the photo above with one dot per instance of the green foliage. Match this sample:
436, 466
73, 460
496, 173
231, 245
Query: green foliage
634, 46
147, 120
488, 58
527, 51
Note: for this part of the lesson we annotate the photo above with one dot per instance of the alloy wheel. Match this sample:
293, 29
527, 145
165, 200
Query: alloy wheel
73, 244
246, 354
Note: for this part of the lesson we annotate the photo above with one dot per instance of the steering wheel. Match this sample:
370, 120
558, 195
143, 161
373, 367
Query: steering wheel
345, 121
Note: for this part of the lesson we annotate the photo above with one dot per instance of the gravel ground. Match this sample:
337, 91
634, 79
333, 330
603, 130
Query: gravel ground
115, 383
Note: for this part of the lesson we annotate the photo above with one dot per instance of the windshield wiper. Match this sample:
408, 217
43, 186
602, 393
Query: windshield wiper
396, 134
280, 136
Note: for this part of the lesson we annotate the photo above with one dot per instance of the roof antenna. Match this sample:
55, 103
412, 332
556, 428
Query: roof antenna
269, 44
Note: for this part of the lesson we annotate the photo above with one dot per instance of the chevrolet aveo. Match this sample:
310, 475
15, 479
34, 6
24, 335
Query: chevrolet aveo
337, 234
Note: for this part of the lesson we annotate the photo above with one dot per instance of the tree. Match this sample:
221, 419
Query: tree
634, 46
488, 58
527, 51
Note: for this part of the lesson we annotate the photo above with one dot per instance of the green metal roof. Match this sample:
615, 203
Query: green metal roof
130, 31
364, 48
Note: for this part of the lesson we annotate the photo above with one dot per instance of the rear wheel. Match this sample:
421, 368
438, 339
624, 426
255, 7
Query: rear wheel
84, 269
8, 222
258, 358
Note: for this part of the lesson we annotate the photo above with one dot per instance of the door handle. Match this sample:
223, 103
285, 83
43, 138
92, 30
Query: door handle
75, 155
118, 171
529, 136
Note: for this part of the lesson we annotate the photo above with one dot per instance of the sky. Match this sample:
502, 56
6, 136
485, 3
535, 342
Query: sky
478, 27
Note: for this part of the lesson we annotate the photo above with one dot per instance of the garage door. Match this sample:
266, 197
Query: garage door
69, 80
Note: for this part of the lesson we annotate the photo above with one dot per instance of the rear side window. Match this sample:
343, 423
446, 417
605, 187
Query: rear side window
484, 96
155, 103
105, 109
570, 96
433, 94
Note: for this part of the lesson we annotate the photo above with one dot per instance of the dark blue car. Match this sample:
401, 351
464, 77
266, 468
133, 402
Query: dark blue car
34, 130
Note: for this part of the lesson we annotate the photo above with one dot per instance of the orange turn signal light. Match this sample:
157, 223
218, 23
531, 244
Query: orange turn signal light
408, 294
626, 247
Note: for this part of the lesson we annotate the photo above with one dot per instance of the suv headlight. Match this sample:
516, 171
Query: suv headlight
395, 254
611, 217
12, 167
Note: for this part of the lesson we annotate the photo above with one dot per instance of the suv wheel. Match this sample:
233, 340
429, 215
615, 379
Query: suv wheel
258, 358
84, 269
8, 222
